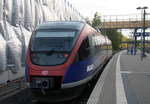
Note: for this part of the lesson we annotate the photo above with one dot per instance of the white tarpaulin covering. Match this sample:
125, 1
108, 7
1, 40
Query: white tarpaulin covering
14, 48
2, 54
15, 12
33, 13
21, 12
2, 29
28, 15
8, 10
18, 18
1, 10
38, 14
46, 13
26, 36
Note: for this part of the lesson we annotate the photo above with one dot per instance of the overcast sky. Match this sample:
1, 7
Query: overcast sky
108, 7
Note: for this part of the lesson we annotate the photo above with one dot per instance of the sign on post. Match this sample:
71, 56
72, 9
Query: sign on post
137, 34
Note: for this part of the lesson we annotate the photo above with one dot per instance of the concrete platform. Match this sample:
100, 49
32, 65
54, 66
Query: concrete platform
125, 80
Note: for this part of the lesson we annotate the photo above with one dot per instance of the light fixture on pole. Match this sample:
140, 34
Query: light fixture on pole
143, 36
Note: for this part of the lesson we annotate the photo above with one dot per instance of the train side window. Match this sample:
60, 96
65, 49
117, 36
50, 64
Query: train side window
92, 45
84, 50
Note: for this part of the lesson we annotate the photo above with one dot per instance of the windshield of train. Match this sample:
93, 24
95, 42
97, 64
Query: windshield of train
51, 47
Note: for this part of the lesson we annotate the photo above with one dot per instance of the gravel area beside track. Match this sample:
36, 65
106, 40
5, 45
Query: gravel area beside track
23, 97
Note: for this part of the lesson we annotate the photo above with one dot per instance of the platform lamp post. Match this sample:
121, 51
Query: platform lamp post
143, 36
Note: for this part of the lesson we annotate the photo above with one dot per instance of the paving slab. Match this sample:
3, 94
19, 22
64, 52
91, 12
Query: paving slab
125, 80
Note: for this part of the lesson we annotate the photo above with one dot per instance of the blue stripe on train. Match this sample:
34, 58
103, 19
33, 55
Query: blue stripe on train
78, 71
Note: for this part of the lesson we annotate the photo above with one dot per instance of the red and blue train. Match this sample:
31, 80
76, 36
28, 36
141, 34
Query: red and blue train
62, 57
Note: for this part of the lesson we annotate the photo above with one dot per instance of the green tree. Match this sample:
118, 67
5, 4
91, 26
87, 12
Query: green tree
114, 36
96, 20
88, 21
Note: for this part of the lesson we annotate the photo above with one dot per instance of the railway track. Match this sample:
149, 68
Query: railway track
24, 96
11, 87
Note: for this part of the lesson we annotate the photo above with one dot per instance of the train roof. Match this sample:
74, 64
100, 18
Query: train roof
77, 25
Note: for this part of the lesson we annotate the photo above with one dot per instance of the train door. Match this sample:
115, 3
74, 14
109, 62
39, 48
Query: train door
84, 50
